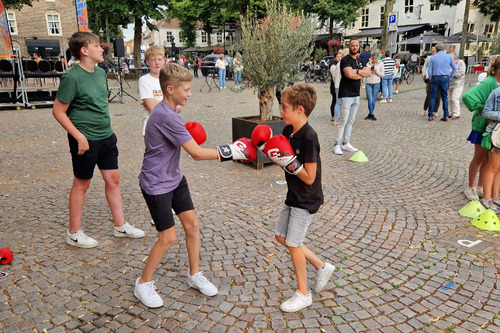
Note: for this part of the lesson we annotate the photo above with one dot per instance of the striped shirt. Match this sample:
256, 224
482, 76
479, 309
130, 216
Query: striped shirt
388, 65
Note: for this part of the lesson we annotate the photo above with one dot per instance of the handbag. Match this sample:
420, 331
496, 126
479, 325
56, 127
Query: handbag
495, 136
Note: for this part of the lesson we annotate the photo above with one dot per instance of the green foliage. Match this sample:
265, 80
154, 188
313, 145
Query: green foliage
489, 7
342, 12
319, 54
100, 11
495, 47
17, 4
272, 48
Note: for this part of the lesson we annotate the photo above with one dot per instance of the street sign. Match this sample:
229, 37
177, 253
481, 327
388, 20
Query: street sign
393, 22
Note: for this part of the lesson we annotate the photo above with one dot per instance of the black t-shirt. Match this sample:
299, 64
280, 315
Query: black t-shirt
305, 145
349, 87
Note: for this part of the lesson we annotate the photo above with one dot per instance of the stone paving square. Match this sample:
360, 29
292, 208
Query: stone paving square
386, 225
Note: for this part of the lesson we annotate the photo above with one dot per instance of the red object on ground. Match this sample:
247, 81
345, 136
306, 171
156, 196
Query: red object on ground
6, 256
478, 68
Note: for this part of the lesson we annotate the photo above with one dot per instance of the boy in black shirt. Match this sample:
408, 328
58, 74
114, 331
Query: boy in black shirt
305, 194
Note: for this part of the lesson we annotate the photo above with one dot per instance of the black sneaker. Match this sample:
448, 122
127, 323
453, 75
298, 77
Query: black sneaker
373, 118
368, 117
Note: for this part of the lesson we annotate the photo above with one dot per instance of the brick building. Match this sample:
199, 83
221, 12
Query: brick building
44, 28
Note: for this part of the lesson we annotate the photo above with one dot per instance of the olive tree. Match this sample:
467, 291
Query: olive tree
272, 48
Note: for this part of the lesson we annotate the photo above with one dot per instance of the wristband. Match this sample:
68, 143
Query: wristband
357, 71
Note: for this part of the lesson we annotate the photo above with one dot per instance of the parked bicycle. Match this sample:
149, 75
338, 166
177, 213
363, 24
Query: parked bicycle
407, 75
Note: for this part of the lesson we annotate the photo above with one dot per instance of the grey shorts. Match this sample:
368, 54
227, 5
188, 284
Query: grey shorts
292, 225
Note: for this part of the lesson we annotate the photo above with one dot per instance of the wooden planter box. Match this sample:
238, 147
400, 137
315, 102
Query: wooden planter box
243, 127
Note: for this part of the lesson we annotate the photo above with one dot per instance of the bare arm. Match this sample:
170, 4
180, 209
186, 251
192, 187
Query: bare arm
149, 103
199, 153
353, 75
59, 112
308, 173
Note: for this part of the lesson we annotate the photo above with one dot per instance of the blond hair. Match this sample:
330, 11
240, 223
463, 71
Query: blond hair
494, 67
154, 50
172, 75
301, 94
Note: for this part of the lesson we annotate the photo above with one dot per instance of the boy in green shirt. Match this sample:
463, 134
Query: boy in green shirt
81, 107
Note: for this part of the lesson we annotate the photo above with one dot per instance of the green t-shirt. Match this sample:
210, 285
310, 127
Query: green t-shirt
87, 96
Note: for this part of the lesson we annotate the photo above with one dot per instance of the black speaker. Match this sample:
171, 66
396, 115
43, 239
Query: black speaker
118, 47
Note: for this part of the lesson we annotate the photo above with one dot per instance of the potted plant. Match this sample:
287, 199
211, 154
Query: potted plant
272, 49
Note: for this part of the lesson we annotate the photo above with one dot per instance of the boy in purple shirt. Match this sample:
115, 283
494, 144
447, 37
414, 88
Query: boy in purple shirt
165, 188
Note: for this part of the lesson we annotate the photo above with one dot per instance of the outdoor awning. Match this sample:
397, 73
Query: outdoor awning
377, 32
429, 37
455, 38
51, 46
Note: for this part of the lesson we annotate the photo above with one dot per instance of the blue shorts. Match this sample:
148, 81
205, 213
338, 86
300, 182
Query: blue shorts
475, 137
292, 225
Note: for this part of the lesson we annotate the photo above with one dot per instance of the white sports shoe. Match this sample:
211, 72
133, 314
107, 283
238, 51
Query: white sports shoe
337, 150
146, 293
480, 192
470, 194
198, 281
127, 230
323, 277
348, 147
383, 100
80, 239
297, 302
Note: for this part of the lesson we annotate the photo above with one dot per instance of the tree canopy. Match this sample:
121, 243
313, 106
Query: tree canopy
16, 4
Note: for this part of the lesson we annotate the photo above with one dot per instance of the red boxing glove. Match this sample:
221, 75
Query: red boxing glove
241, 149
279, 150
260, 135
197, 132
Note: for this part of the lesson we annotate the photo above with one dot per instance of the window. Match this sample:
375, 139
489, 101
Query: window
382, 11
352, 25
54, 24
471, 27
364, 18
408, 6
434, 7
488, 30
11, 18
219, 37
169, 36
203, 36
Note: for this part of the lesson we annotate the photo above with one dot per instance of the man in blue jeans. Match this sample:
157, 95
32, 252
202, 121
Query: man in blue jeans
352, 70
440, 75
388, 77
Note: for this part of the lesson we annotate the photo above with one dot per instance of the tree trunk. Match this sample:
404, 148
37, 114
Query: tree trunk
330, 31
465, 27
389, 6
266, 104
108, 39
137, 42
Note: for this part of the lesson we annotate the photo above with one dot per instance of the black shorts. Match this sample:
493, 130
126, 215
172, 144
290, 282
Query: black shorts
160, 206
103, 153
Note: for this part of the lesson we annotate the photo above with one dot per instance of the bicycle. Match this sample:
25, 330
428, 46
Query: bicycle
407, 75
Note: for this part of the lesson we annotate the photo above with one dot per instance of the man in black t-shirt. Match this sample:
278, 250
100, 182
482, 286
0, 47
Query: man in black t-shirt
352, 70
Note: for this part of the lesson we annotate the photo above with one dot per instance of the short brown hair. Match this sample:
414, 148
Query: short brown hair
494, 67
81, 39
301, 94
154, 50
172, 74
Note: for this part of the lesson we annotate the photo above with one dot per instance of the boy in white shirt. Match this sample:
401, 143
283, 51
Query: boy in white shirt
149, 84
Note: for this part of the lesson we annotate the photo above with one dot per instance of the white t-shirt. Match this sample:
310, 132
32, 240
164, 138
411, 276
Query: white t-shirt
220, 64
149, 87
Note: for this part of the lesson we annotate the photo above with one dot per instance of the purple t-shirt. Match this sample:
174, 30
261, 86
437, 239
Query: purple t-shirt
165, 133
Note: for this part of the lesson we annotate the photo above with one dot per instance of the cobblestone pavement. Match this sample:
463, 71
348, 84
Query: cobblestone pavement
389, 225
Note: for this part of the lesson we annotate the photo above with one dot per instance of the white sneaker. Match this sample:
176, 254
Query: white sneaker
129, 231
348, 147
389, 100
480, 192
488, 204
396, 91
297, 302
383, 100
337, 150
198, 281
470, 194
80, 239
323, 277
146, 293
